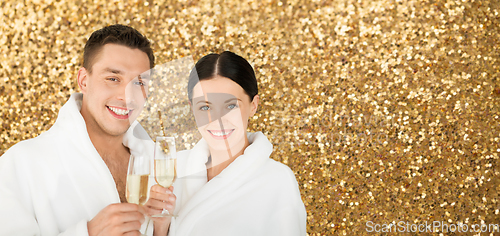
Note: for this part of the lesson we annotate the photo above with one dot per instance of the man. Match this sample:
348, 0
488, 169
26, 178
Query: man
71, 179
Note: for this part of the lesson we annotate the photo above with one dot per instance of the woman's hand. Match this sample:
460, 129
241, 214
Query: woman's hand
160, 198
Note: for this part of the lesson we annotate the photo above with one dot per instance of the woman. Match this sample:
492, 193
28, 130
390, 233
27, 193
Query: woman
228, 184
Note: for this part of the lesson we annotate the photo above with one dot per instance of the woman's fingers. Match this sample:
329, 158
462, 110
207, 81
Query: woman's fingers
156, 204
160, 198
161, 193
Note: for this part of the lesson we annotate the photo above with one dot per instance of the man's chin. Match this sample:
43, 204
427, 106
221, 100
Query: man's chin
117, 131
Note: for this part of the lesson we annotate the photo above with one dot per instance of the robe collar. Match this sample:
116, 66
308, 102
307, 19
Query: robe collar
259, 149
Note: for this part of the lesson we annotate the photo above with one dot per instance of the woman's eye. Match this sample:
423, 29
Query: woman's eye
140, 83
204, 108
232, 106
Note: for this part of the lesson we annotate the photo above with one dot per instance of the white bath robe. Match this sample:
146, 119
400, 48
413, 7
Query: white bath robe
54, 183
254, 195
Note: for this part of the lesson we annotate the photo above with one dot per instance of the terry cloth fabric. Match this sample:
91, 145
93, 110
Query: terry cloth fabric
254, 195
55, 183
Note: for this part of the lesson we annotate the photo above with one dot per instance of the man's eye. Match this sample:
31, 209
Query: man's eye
113, 79
204, 108
140, 83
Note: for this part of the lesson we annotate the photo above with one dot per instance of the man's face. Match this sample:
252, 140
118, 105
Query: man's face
115, 90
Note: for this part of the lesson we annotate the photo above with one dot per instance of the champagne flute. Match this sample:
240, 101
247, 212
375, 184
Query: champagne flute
137, 181
165, 165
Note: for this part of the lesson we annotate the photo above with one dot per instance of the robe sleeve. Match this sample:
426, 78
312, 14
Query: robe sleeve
289, 221
80, 229
290, 217
16, 211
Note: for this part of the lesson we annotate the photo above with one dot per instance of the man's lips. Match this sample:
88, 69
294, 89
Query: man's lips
119, 112
221, 134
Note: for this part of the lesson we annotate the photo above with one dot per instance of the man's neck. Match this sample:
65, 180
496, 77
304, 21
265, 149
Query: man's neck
106, 144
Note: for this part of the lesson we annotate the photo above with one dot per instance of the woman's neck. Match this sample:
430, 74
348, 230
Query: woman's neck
220, 159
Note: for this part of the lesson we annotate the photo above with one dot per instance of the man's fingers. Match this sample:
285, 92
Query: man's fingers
117, 219
123, 207
132, 233
126, 217
130, 227
142, 209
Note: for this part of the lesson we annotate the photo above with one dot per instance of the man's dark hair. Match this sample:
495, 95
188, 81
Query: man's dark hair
116, 34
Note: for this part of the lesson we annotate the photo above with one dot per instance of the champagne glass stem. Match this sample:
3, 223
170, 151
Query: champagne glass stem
147, 225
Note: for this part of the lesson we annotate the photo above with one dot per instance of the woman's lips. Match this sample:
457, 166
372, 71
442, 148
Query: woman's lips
221, 134
119, 113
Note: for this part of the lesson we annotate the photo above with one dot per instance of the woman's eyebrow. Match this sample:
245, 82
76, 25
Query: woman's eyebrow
204, 102
231, 99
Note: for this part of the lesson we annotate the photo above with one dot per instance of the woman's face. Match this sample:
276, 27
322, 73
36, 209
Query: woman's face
222, 109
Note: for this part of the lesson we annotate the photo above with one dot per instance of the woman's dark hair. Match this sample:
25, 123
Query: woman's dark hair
117, 34
226, 64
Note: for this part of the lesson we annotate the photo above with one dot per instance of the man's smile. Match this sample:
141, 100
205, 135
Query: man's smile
119, 112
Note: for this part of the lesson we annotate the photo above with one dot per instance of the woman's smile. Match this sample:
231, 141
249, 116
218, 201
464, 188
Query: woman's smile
221, 134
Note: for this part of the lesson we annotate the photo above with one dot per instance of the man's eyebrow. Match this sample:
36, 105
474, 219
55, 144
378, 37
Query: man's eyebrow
114, 71
145, 75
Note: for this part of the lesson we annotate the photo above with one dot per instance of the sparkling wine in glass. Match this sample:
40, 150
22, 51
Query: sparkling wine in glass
139, 168
165, 165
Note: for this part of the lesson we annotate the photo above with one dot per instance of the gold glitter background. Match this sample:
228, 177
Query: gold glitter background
386, 110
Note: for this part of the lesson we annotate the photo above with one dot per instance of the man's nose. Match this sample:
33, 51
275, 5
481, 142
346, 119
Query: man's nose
120, 92
133, 92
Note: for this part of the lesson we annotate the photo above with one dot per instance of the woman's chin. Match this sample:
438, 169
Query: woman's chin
219, 145
231, 144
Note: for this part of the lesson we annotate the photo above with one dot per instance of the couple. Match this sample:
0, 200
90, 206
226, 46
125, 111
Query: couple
71, 179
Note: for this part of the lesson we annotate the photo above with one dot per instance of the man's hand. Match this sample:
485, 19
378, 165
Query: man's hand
117, 219
160, 198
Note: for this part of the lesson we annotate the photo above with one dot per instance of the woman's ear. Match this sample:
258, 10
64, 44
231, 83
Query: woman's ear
82, 78
254, 105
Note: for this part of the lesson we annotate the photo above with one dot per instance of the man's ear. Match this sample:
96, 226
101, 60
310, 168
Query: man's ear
254, 105
82, 79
